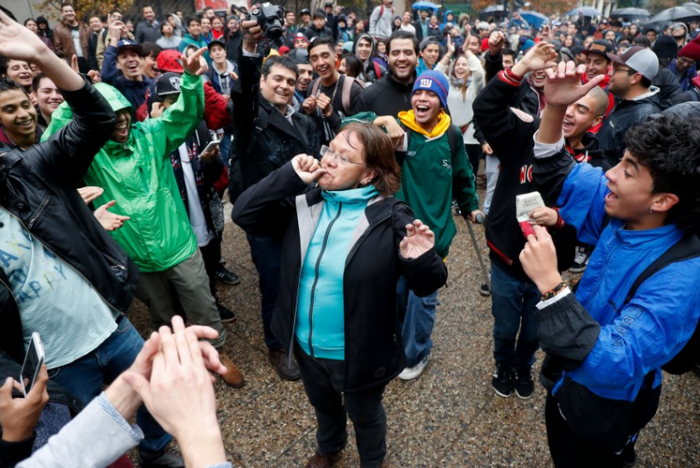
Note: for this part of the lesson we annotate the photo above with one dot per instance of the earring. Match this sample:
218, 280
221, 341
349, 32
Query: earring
651, 210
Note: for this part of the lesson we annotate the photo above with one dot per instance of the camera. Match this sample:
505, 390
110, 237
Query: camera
270, 18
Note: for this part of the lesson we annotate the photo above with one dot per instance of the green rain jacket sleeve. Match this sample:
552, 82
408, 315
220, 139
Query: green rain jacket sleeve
181, 119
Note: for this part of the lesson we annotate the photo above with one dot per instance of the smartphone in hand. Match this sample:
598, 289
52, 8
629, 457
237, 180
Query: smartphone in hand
33, 361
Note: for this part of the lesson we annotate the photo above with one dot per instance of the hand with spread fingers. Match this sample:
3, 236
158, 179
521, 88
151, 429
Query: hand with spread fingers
193, 65
563, 85
109, 221
540, 57
419, 239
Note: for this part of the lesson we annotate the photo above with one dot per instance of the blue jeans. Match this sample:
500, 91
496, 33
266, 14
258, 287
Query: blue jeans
418, 322
266, 252
513, 308
85, 376
225, 148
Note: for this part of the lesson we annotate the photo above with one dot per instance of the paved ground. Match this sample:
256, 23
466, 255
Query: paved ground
449, 417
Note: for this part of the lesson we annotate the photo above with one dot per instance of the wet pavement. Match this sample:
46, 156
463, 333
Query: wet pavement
450, 416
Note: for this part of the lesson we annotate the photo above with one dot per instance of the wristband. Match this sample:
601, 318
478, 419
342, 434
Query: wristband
554, 291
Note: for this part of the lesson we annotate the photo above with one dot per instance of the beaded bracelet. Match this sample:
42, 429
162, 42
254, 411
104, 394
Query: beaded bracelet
554, 291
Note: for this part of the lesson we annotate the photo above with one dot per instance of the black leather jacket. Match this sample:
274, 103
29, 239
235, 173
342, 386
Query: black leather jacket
38, 187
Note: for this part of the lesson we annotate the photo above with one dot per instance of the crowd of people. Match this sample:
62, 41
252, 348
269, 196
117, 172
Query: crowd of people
347, 146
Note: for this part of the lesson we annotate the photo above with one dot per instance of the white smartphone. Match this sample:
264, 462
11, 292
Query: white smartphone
32, 363
211, 145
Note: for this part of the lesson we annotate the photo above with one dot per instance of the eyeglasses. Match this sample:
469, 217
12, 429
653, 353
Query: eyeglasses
620, 69
327, 152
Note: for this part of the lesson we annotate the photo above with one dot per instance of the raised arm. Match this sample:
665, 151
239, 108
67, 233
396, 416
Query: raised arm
69, 153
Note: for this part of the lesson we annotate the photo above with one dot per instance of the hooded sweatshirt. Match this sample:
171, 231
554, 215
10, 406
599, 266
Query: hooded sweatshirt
431, 176
138, 174
372, 68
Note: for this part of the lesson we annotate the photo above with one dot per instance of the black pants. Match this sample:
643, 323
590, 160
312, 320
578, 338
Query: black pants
211, 254
570, 452
474, 153
324, 381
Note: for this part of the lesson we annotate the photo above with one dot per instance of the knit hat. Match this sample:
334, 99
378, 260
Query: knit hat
665, 47
169, 61
691, 50
435, 81
284, 50
301, 36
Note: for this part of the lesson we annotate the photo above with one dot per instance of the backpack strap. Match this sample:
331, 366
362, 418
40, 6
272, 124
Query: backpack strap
346, 93
377, 69
685, 249
314, 87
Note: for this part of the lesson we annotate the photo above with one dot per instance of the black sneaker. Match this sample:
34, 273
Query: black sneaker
286, 370
226, 314
502, 380
227, 276
161, 459
484, 289
580, 260
524, 386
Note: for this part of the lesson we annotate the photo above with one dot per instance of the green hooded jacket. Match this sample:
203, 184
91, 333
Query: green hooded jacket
139, 176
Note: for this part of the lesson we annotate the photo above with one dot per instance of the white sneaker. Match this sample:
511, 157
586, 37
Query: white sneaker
414, 372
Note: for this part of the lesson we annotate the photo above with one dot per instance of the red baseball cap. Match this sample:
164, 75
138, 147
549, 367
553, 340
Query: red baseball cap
169, 61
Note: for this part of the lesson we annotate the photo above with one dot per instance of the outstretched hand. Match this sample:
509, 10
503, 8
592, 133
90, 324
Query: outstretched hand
193, 65
563, 85
18, 42
307, 168
540, 57
109, 221
419, 239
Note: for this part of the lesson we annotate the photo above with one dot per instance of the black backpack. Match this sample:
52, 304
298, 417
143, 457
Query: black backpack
685, 249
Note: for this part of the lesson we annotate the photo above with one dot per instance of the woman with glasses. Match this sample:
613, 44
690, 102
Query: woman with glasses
348, 240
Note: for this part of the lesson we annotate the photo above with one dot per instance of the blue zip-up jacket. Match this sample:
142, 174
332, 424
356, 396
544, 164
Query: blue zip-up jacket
638, 337
133, 91
320, 329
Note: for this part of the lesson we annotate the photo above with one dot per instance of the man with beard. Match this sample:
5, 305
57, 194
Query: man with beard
391, 94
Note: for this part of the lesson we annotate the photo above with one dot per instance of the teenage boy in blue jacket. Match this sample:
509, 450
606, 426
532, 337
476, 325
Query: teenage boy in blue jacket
605, 349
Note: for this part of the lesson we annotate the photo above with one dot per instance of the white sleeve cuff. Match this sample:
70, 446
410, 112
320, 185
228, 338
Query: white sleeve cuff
251, 54
564, 292
546, 150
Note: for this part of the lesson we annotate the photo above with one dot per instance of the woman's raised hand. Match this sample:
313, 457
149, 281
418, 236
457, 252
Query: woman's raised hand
307, 168
419, 239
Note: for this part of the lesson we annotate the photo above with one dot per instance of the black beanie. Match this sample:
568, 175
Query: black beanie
665, 47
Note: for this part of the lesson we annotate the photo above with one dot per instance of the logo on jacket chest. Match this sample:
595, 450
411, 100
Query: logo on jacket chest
526, 174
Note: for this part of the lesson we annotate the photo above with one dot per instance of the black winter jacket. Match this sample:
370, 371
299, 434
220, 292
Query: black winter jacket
386, 96
625, 115
510, 132
38, 187
374, 351
264, 140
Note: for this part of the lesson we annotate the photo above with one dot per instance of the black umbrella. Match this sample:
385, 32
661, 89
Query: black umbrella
630, 13
493, 10
679, 13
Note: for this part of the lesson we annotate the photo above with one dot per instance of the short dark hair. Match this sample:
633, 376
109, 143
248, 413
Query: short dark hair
150, 49
510, 52
149, 6
642, 41
319, 14
319, 41
401, 34
669, 146
281, 61
192, 19
65, 4
645, 82
353, 66
115, 10
7, 84
378, 156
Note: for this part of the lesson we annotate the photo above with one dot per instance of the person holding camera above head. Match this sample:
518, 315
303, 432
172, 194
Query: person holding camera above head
347, 242
267, 134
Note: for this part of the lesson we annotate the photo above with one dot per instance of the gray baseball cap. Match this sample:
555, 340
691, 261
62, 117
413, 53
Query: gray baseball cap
639, 59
